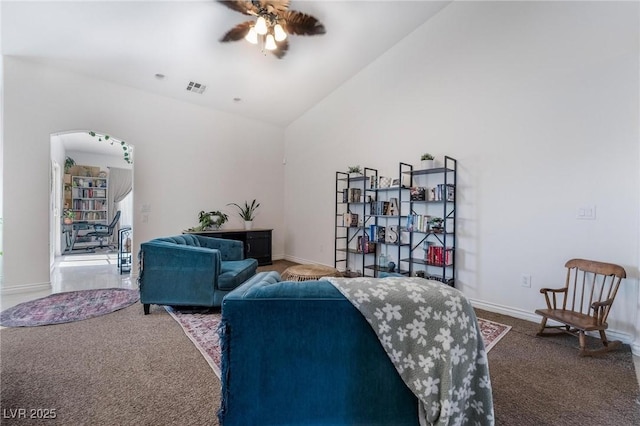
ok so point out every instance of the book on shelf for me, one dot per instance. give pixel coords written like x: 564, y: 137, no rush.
x: 364, y: 245
x: 377, y: 234
x: 417, y: 193
x: 350, y: 219
x: 354, y: 195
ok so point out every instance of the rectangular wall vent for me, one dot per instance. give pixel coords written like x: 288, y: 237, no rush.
x: 196, y: 87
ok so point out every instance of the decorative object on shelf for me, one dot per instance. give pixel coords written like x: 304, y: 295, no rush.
x: 382, y: 260
x: 394, y: 209
x: 68, y: 164
x: 391, y: 267
x: 373, y: 182
x: 385, y: 182
x: 426, y: 161
x: 354, y: 171
x: 210, y: 220
x: 436, y: 224
x: 391, y: 235
x: 274, y: 21
x: 128, y: 149
x: 247, y: 212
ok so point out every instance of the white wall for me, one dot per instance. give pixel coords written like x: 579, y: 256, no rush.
x: 538, y: 101
x: 187, y: 159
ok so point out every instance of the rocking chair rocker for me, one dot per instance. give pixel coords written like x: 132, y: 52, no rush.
x: 587, y: 297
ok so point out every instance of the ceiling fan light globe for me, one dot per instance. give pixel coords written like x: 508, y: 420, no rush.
x: 252, y: 36
x: 279, y: 33
x: 270, y: 43
x: 261, y: 26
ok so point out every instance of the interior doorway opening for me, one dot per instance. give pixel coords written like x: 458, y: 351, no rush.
x: 91, y: 198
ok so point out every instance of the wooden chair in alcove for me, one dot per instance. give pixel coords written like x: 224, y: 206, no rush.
x: 585, y: 303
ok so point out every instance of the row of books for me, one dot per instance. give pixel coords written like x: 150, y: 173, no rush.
x: 351, y: 195
x: 89, y: 193
x: 91, y: 216
x: 386, y: 208
x: 440, y: 192
x: 89, y: 205
x: 418, y: 222
x: 437, y: 255
x: 364, y: 245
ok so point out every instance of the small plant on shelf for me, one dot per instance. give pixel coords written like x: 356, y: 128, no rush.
x: 426, y: 156
x: 248, y: 211
x: 426, y: 161
x: 354, y: 171
x: 436, y: 224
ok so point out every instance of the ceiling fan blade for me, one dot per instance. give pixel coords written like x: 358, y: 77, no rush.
x: 276, y: 7
x: 238, y: 32
x: 244, y: 7
x: 283, y: 47
x: 301, y: 24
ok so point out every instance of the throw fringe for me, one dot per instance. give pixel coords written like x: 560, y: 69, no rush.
x: 224, y: 334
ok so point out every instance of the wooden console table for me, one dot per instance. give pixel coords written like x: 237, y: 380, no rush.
x: 257, y: 242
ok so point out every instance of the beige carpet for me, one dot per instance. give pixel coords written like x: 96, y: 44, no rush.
x: 126, y: 368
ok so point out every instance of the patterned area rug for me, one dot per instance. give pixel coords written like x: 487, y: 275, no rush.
x: 69, y: 306
x: 492, y: 332
x: 202, y: 330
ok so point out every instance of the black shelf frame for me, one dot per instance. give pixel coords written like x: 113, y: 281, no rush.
x: 445, y: 238
x: 348, y: 259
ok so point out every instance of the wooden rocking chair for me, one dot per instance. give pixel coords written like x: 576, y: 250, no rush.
x: 587, y: 297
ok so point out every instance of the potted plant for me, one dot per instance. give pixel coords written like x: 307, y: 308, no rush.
x: 354, y: 171
x: 426, y: 160
x: 211, y: 220
x: 247, y: 212
x: 68, y: 216
x: 68, y: 164
x: 436, y: 224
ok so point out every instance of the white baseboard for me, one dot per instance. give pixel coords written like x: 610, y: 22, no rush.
x: 533, y: 317
x: 25, y: 288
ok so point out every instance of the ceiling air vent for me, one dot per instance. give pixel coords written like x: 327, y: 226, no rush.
x: 196, y: 87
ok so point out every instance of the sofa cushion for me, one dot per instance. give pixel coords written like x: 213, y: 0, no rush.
x: 235, y: 272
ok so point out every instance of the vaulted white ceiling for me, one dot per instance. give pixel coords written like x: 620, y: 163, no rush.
x: 129, y: 42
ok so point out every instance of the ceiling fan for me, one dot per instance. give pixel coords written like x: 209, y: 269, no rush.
x: 274, y: 22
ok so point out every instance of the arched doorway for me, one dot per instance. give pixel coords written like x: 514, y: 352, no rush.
x: 92, y: 180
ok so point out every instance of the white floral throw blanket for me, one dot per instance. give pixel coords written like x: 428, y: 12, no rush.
x: 430, y: 332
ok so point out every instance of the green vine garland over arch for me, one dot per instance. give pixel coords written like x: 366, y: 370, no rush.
x: 125, y: 147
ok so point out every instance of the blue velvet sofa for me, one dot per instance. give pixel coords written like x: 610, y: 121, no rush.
x: 299, y: 353
x: 191, y: 270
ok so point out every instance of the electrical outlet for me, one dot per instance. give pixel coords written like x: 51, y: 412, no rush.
x: 525, y: 280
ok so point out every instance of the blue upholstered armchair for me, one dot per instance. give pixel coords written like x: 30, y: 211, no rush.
x: 191, y: 270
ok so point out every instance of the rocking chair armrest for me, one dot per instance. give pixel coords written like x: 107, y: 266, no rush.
x: 596, y: 305
x: 552, y: 303
x: 553, y: 290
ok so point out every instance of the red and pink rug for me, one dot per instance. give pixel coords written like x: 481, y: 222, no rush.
x: 69, y: 306
x: 202, y: 330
